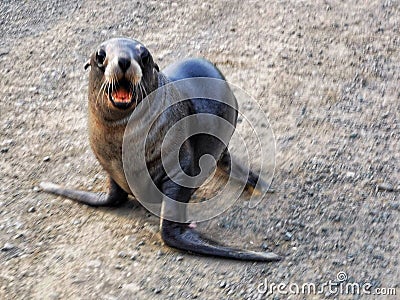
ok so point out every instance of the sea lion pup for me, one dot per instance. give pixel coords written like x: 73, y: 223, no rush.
x: 122, y: 74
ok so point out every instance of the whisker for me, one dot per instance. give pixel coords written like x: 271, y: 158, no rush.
x: 142, y: 93
x: 102, y: 90
x: 115, y: 83
x: 144, y: 88
x: 110, y: 88
x: 98, y: 94
x: 145, y: 92
x: 137, y: 89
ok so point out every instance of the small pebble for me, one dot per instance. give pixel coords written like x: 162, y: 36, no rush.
x: 378, y: 256
x: 264, y: 246
x: 157, y: 290
x: 8, y: 247
x: 353, y: 135
x: 46, y: 158
x: 141, y: 243
x: 55, y: 296
x: 94, y: 263
x: 31, y: 209
x: 179, y: 258
x: 18, y: 225
x: 385, y: 187
x: 222, y: 284
x: 18, y: 235
x: 4, y: 150
x: 4, y: 51
x: 288, y: 236
x: 122, y: 254
x: 284, y: 56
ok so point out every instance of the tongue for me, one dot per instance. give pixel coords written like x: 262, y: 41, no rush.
x: 121, y: 95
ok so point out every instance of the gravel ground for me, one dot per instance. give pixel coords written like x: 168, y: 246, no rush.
x: 327, y: 74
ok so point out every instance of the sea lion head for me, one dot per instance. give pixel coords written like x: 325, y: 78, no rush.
x: 122, y: 74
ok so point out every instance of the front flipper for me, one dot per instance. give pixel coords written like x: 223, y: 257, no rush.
x: 114, y: 197
x: 182, y: 237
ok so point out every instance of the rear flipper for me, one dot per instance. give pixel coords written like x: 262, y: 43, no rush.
x: 183, y: 237
x: 232, y: 168
x: 115, y: 196
x: 178, y: 233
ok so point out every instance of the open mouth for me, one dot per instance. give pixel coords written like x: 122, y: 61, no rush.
x: 122, y: 94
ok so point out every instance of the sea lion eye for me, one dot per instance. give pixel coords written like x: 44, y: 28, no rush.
x: 144, y: 54
x: 100, y: 57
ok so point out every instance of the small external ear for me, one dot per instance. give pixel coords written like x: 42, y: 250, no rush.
x: 156, y: 67
x: 87, y: 64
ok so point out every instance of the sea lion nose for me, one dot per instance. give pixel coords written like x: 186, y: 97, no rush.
x: 124, y: 63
